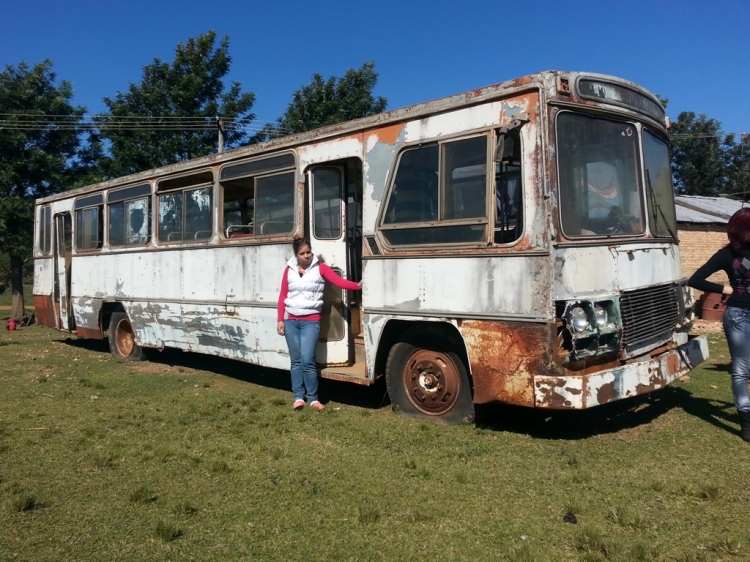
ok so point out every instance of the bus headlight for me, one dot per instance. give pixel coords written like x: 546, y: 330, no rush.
x: 601, y: 316
x: 579, y: 319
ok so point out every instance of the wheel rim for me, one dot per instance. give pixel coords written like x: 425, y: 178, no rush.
x: 432, y: 381
x: 124, y: 338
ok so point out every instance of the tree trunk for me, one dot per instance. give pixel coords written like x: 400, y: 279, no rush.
x: 16, y: 282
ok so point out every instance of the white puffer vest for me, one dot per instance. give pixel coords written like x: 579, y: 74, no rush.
x: 305, y: 294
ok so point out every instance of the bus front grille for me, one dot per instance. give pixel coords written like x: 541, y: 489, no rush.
x: 649, y: 315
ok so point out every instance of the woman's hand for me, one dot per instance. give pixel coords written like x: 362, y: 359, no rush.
x: 280, y: 328
x: 359, y: 285
x: 727, y: 290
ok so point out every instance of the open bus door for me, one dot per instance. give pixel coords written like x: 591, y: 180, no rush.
x: 329, y: 237
x: 63, y: 257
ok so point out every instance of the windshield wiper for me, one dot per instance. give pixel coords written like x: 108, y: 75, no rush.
x: 657, y: 207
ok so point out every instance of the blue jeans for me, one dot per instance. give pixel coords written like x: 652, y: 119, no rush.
x: 737, y: 330
x: 301, y: 338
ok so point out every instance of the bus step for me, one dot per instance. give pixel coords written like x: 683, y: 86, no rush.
x: 356, y: 373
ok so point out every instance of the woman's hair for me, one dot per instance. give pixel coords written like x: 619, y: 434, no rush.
x: 298, y: 243
x: 738, y: 229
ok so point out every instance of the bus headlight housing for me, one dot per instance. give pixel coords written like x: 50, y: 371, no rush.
x: 579, y: 320
x: 590, y: 328
x: 600, y: 313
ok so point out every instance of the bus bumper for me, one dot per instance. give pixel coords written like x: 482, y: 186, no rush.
x: 586, y: 391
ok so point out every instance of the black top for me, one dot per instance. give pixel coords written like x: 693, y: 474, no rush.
x: 737, y: 268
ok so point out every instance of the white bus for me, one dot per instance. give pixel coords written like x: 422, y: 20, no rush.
x: 517, y: 244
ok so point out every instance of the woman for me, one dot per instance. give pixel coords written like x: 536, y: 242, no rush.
x: 734, y: 259
x: 301, y: 298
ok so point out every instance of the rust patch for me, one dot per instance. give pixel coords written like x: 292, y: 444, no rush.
x: 551, y: 399
x: 45, y: 310
x: 607, y: 393
x: 388, y: 135
x: 504, y: 358
x: 93, y: 333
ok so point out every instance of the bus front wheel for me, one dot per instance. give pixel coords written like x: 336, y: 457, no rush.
x: 429, y: 384
x: 122, y: 342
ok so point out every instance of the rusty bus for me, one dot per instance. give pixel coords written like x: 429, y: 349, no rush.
x: 517, y: 244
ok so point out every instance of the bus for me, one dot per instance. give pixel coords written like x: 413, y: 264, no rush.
x: 517, y: 244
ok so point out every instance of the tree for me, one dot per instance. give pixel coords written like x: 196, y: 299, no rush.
x: 141, y: 126
x: 737, y: 158
x: 326, y: 102
x: 36, y: 159
x: 698, y: 159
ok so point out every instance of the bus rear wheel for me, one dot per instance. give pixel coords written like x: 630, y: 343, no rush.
x: 429, y: 384
x: 122, y: 342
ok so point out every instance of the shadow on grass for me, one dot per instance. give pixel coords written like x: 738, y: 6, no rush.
x: 373, y: 397
x: 609, y: 418
x: 543, y: 424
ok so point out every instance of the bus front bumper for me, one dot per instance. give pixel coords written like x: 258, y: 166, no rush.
x: 626, y: 381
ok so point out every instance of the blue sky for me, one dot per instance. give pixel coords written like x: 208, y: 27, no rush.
x: 697, y: 54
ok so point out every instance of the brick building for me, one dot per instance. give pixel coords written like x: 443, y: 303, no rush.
x: 701, y: 228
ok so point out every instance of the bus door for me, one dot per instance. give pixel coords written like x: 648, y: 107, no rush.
x: 63, y: 257
x: 329, y: 241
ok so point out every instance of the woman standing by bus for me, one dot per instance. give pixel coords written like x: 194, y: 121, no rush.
x: 301, y: 300
x: 734, y: 259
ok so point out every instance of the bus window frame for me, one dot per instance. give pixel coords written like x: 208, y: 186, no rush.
x: 158, y: 191
x: 86, y: 203
x: 254, y: 176
x: 44, y: 230
x: 149, y: 212
x: 487, y: 220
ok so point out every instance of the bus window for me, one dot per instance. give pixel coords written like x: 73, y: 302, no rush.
x: 45, y: 230
x: 439, y: 185
x: 129, y: 212
x: 598, y: 174
x: 508, y: 190
x: 327, y: 185
x: 88, y: 221
x: 186, y: 215
x: 256, y: 205
x: 239, y: 207
x: 274, y: 204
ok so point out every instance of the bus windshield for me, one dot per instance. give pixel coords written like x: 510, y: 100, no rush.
x: 598, y: 166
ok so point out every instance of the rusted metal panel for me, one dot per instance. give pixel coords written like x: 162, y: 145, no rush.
x: 586, y: 391
x: 504, y: 358
x: 44, y: 310
x: 87, y: 317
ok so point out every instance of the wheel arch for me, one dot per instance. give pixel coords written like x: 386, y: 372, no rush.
x: 421, y: 332
x: 108, y: 309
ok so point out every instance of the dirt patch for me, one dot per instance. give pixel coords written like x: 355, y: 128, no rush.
x: 706, y: 327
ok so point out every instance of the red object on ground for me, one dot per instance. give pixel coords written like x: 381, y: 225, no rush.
x: 712, y: 307
x: 11, y: 325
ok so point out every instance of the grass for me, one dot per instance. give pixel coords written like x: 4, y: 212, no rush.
x: 192, y: 457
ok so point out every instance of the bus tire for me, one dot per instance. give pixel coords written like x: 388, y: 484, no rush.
x: 122, y: 342
x: 429, y: 384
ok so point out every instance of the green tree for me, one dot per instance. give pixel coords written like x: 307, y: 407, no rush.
x: 737, y: 158
x: 326, y: 102
x: 39, y: 139
x: 698, y: 155
x: 141, y: 126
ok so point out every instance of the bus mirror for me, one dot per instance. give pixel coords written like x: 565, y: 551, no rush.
x: 505, y: 147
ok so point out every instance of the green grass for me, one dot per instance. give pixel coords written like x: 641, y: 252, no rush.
x: 189, y: 457
x: 6, y: 300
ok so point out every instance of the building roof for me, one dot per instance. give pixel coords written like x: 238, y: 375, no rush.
x: 705, y: 210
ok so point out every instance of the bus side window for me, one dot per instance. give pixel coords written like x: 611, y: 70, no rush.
x: 89, y: 222
x: 509, y: 191
x: 239, y: 208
